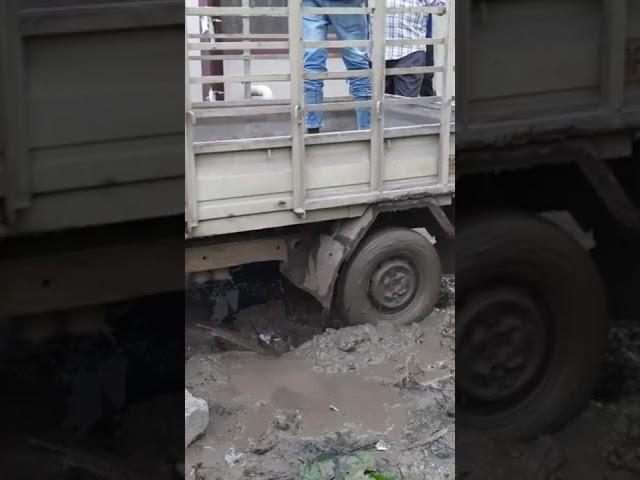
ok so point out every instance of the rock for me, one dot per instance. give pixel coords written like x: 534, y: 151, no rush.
x: 196, y: 417
x: 350, y: 341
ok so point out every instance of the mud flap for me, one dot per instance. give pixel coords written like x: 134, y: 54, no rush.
x: 314, y: 266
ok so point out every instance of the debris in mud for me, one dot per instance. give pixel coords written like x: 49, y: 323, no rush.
x: 621, y: 371
x: 624, y: 450
x: 353, y: 341
x: 289, y: 422
x: 358, y: 466
x: 382, y: 446
x: 447, y: 292
x: 196, y: 418
x: 275, y: 328
x: 235, y: 340
x: 233, y: 457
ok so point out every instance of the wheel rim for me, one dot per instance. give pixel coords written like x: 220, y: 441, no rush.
x: 393, y: 284
x: 503, y: 345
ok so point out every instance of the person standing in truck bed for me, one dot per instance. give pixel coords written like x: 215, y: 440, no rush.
x: 407, y: 26
x: 427, y: 90
x: 347, y: 27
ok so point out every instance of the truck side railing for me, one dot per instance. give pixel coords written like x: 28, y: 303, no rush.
x: 292, y: 46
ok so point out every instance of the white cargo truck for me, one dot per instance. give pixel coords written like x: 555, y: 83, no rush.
x: 351, y: 216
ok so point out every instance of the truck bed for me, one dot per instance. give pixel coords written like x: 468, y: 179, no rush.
x: 251, y: 166
x: 276, y: 125
x: 244, y: 168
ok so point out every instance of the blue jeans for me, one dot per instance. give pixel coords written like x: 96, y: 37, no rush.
x: 347, y: 27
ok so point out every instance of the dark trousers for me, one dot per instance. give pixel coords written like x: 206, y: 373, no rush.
x: 427, y: 83
x: 406, y: 85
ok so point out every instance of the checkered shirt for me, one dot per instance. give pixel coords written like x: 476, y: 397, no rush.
x: 407, y: 26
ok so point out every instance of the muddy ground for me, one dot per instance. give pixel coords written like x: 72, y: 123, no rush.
x: 285, y: 388
x: 315, y: 391
x: 603, y: 443
x: 94, y: 394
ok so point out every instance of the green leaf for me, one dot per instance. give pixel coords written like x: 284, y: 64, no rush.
x: 375, y: 475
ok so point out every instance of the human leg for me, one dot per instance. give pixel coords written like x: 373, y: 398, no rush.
x: 314, y: 27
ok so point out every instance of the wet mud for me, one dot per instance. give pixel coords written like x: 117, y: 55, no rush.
x: 603, y: 443
x: 322, y: 392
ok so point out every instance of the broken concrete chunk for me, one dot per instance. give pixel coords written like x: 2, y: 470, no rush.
x: 196, y: 417
x: 350, y: 341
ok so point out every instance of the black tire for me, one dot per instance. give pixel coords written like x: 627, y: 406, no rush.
x: 402, y: 257
x: 531, y: 326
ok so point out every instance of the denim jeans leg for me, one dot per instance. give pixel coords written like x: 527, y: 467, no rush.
x: 315, y: 60
x: 360, y: 87
x: 355, y: 27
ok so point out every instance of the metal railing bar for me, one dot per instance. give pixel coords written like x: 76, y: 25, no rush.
x: 205, y: 36
x: 416, y: 41
x: 230, y: 111
x: 430, y: 10
x: 258, y: 56
x: 336, y: 106
x: 274, y: 45
x: 285, y: 77
x: 237, y: 111
x: 336, y: 11
x: 337, y: 43
x: 377, y: 97
x: 221, y: 104
x: 369, y: 43
x: 340, y: 200
x: 444, y: 150
x: 282, y: 45
x: 284, y: 11
x: 410, y: 70
x: 246, y: 62
x: 238, y: 11
x: 336, y: 75
x: 317, y: 44
x: 413, y: 101
x: 190, y: 191
x: 284, y: 141
x: 370, y: 10
x: 258, y: 102
x: 276, y: 77
x: 268, y: 109
x: 298, y: 151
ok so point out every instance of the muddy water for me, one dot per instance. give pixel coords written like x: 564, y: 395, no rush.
x: 326, y: 402
x: 326, y: 389
x: 341, y: 389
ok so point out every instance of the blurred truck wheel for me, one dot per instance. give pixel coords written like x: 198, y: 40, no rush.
x: 393, y: 276
x: 531, y: 325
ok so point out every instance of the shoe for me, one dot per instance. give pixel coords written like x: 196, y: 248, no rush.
x: 313, y: 130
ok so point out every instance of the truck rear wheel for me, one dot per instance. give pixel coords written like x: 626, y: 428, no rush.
x: 531, y: 325
x: 393, y: 276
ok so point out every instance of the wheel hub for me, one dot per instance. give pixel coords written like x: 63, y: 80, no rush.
x: 503, y: 344
x: 393, y: 284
